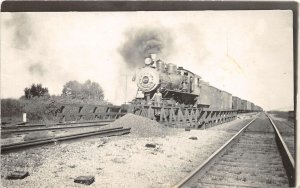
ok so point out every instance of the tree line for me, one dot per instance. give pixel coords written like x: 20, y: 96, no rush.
x: 40, y: 106
x: 72, y: 89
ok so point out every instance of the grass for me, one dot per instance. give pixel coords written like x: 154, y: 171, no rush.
x: 289, y: 115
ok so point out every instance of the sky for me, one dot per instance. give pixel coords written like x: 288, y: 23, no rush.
x: 246, y: 53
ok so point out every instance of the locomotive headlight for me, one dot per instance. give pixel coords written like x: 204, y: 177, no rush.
x: 147, y: 79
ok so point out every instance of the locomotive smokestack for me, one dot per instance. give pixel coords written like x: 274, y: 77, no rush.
x: 153, y: 56
x: 141, y: 43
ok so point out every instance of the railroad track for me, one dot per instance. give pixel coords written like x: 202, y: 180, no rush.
x: 248, y: 159
x: 103, y: 133
x: 29, y: 129
x: 30, y: 126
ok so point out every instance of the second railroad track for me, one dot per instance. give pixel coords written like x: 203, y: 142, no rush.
x: 103, y: 133
x: 254, y: 157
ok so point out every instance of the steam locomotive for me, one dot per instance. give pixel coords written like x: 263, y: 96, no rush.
x: 181, y: 87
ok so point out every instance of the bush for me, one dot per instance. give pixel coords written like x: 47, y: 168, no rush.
x: 70, y: 100
x: 11, y: 108
x: 40, y: 109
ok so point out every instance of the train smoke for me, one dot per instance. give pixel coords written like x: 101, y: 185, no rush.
x: 142, y: 42
x: 37, y: 68
x: 22, y: 30
x: 23, y: 35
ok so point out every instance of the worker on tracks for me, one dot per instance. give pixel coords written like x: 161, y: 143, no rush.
x: 157, y: 98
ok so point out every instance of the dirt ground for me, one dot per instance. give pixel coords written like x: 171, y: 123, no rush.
x: 122, y: 161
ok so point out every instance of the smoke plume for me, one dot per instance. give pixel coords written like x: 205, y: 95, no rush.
x: 22, y: 30
x: 37, y: 68
x: 142, y: 42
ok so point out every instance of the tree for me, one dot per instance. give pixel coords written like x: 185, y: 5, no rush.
x: 72, y: 88
x: 88, y: 90
x: 36, y: 90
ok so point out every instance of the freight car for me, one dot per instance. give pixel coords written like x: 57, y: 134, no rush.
x: 245, y: 106
x: 183, y: 92
x: 236, y: 103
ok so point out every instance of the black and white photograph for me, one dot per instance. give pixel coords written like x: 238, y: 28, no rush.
x: 176, y: 98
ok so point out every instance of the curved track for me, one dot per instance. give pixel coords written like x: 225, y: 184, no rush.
x: 254, y: 157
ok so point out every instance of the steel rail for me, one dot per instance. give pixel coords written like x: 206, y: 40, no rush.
x: 53, y: 138
x: 52, y: 124
x: 51, y: 128
x: 104, y: 132
x: 205, y: 165
x: 286, y: 156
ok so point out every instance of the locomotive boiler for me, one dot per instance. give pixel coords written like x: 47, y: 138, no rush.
x: 175, y: 84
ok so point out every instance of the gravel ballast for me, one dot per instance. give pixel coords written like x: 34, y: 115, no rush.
x: 143, y: 127
x: 122, y: 161
x: 254, y: 161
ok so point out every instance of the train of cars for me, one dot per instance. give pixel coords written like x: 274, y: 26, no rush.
x: 244, y: 105
x: 180, y: 87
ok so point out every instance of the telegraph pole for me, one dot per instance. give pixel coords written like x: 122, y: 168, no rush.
x: 126, y: 76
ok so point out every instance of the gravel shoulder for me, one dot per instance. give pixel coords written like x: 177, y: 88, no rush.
x: 119, y: 161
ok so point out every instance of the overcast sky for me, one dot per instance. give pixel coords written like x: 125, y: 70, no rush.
x: 246, y: 53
